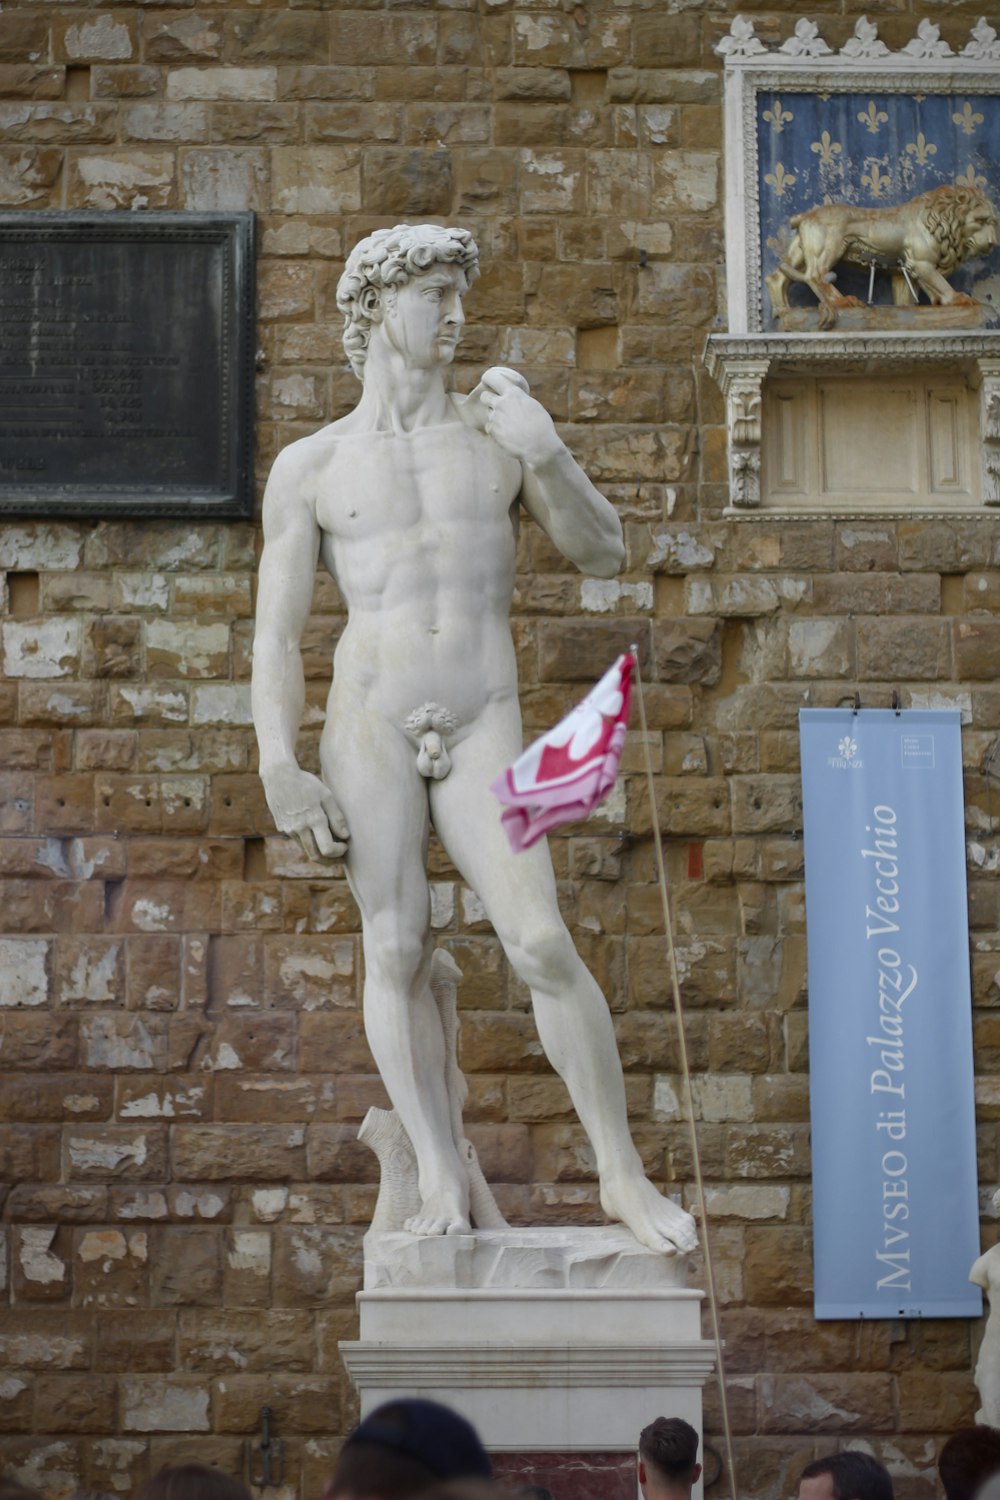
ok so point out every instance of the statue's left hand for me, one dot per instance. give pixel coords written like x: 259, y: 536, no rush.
x: 515, y: 420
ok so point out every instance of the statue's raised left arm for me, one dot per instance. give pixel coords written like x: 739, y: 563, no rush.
x: 581, y: 522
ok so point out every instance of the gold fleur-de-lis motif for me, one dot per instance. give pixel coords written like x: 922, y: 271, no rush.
x: 967, y: 119
x: 826, y: 149
x: 777, y: 115
x: 921, y: 149
x: 875, y: 179
x: 780, y: 180
x: 970, y: 178
x: 873, y: 117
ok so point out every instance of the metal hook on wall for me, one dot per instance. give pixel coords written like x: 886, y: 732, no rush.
x: 269, y: 1453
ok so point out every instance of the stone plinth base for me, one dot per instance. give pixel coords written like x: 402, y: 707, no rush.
x: 571, y: 1476
x: 550, y: 1340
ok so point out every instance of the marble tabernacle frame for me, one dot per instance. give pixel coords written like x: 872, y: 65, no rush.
x: 127, y: 364
x: 867, y: 127
x: 875, y: 161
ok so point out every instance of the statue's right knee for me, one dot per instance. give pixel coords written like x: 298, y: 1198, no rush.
x: 393, y: 957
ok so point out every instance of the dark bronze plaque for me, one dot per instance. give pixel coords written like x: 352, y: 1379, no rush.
x: 126, y: 364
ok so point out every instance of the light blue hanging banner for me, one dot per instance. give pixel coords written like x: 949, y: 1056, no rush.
x: 895, y: 1199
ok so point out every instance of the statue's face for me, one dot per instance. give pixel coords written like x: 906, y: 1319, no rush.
x: 981, y: 230
x: 423, y: 320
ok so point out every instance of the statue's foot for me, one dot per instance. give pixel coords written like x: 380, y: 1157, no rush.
x: 655, y: 1221
x: 444, y: 1211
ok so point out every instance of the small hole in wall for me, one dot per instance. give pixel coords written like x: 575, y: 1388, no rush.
x: 22, y: 595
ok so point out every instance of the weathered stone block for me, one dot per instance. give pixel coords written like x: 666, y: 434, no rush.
x: 315, y: 179
x: 901, y: 649
x: 45, y: 1339
x: 222, y: 83
x: 311, y: 973
x: 122, y: 180
x: 24, y: 979
x: 186, y: 1269
x: 212, y: 1153
x: 977, y: 648
x: 688, y: 650
x: 41, y: 648
x: 31, y: 81
x: 224, y: 180
x: 134, y: 1341
x: 115, y: 1151
x: 282, y: 36
x: 123, y: 81
x: 398, y: 181
x: 41, y: 1271
x: 178, y: 39
x: 111, y: 1268
x: 104, y: 38
x: 311, y: 1402
x: 250, y: 1342
x: 153, y: 1404
x: 23, y: 38
x: 315, y: 1266
x: 44, y: 124
x: 827, y: 1403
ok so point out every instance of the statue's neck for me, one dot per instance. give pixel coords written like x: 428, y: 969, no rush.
x: 397, y: 398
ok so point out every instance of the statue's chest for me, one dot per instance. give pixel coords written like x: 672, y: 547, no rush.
x: 440, y: 476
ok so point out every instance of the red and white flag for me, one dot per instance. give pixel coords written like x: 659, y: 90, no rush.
x: 565, y: 774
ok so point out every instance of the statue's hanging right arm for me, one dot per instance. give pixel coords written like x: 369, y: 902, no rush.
x: 300, y: 802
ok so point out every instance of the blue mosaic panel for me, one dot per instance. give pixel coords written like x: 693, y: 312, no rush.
x: 873, y: 150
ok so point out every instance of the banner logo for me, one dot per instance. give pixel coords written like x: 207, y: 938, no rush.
x: 846, y: 758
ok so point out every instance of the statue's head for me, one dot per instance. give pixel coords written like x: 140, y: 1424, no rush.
x: 387, y: 260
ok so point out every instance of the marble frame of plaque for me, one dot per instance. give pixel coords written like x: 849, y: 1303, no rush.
x: 127, y: 364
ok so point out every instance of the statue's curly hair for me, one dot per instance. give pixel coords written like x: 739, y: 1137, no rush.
x: 946, y: 212
x: 389, y: 258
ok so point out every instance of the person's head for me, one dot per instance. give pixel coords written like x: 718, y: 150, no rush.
x: 13, y: 1489
x: 968, y: 1459
x: 668, y: 1458
x: 192, y: 1482
x: 405, y: 1447
x: 845, y: 1476
x: 380, y: 268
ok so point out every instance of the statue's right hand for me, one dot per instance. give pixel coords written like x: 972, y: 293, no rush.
x: 304, y: 807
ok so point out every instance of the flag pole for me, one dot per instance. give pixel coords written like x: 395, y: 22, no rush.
x: 661, y: 870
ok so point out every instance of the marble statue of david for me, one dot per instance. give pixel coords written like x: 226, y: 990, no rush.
x: 411, y: 502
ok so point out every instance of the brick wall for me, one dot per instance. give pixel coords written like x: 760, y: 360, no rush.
x: 184, y: 1068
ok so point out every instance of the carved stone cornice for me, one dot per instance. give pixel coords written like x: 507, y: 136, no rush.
x: 812, y: 353
x: 805, y: 45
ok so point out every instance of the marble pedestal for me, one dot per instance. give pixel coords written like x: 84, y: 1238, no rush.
x: 558, y: 1341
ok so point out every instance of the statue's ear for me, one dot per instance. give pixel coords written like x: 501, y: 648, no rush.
x: 370, y: 303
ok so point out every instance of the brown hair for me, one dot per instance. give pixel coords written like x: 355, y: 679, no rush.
x: 192, y: 1482
x: 670, y: 1445
x: 968, y: 1459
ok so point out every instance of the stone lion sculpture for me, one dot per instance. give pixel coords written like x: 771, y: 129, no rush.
x: 920, y: 241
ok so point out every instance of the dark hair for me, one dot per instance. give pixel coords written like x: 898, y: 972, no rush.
x: 968, y: 1459
x: 533, y: 1492
x: 671, y: 1445
x: 407, y: 1446
x: 192, y: 1482
x: 370, y: 1469
x: 13, y: 1489
x: 854, y: 1475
